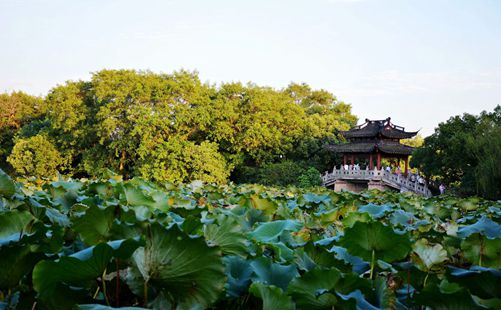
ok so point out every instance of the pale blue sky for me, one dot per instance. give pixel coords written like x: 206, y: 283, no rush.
x: 419, y: 61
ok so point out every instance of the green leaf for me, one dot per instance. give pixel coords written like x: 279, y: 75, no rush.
x: 432, y: 297
x: 480, y: 281
x: 364, y: 238
x: 374, y: 210
x: 272, y: 296
x: 238, y: 273
x: 7, y: 186
x: 267, y: 272
x: 63, y: 283
x: 311, y: 197
x: 13, y: 222
x: 95, y: 224
x: 53, y: 279
x: 429, y: 256
x: 312, y: 289
x: 102, y: 307
x: 226, y: 234
x: 185, y: 269
x: 270, y: 231
x: 16, y: 262
x: 484, y: 226
x: 482, y: 251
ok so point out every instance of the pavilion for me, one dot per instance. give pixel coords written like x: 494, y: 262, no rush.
x: 373, y: 141
x: 369, y: 143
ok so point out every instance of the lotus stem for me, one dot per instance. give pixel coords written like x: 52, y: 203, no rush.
x: 104, y: 287
x: 373, y: 263
x: 426, y: 279
x: 145, y: 293
x: 97, y: 292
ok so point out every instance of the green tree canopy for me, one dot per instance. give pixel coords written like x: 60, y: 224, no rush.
x: 463, y: 153
x: 173, y: 127
x: 35, y: 156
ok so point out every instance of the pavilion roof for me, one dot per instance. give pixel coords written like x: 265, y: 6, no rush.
x: 373, y: 128
x: 388, y: 147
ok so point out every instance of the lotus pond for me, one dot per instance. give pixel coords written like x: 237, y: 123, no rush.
x: 110, y: 243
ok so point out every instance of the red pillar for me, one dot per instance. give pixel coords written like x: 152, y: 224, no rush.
x: 378, y: 161
x: 352, y: 159
x: 370, y: 162
x: 406, y: 165
x: 344, y: 159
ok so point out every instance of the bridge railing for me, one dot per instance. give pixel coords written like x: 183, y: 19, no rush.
x: 397, y: 180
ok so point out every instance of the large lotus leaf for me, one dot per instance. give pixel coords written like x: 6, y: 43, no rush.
x: 484, y: 226
x: 374, y: 210
x: 63, y: 283
x: 267, y: 272
x: 313, y: 289
x: 282, y: 252
x: 13, y: 222
x: 315, y: 198
x: 480, y: 281
x: 186, y: 269
x: 321, y: 256
x: 16, y: 261
x: 94, y: 226
x: 238, y: 273
x: 272, y: 296
x: 53, y: 279
x: 359, y: 265
x: 359, y: 297
x: 403, y: 218
x: 303, y: 261
x: 356, y: 217
x: 428, y: 256
x: 102, y: 307
x: 329, y: 216
x: 270, y: 231
x: 226, y: 234
x: 436, y: 299
x: 264, y: 204
x: 364, y: 239
x: 138, y: 193
x: 482, y: 251
x: 7, y: 186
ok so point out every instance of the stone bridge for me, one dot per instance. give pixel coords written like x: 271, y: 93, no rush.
x: 357, y: 180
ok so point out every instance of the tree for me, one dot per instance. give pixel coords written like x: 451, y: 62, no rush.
x: 463, y: 153
x: 179, y: 161
x: 36, y: 156
x: 16, y: 110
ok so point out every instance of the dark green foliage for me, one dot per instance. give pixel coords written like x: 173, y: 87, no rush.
x: 464, y: 153
x: 107, y: 243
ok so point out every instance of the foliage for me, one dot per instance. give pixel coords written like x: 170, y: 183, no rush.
x: 94, y: 244
x: 311, y: 177
x: 463, y: 153
x: 16, y: 110
x: 36, y: 156
x: 173, y: 127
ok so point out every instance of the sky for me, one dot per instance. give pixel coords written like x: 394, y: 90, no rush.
x: 417, y: 61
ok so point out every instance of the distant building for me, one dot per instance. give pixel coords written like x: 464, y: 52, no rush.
x: 367, y: 145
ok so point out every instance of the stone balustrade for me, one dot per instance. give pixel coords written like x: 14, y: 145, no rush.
x: 400, y: 182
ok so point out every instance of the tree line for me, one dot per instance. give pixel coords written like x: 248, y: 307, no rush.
x: 172, y: 127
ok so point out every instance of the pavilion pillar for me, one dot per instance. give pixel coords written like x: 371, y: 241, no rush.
x: 406, y: 165
x: 352, y: 159
x: 370, y: 162
x: 378, y: 161
x: 344, y: 159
